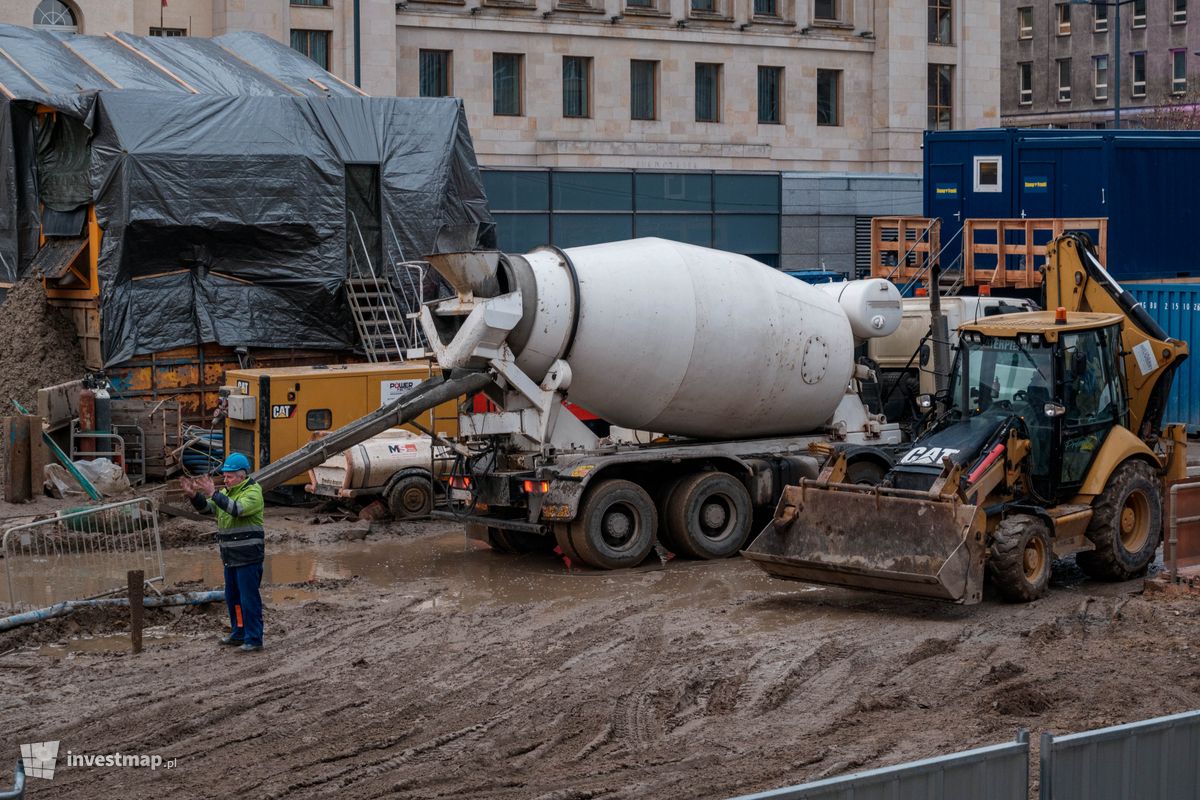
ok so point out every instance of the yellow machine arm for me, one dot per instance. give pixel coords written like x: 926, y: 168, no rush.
x: 1076, y: 280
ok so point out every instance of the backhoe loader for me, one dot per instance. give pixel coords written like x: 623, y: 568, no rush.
x: 1046, y: 444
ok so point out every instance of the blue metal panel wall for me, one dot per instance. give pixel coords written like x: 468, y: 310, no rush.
x: 999, y: 772
x: 1151, y: 760
x: 1176, y: 307
x: 1143, y: 181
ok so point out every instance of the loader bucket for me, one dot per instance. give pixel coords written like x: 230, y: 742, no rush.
x: 887, y: 540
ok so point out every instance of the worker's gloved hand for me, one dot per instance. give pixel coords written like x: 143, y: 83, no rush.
x: 205, y: 485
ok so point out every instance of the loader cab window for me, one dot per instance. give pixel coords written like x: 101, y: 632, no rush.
x: 998, y: 376
x: 1091, y: 388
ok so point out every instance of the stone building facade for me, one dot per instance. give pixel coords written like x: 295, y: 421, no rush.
x: 816, y: 94
x: 1060, y: 62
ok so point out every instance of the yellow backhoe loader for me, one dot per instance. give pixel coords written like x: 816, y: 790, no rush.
x: 1046, y: 444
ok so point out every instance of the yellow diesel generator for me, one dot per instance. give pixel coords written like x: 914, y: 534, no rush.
x: 273, y: 412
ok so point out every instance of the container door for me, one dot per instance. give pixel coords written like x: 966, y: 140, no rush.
x: 946, y: 196
x: 1037, y: 190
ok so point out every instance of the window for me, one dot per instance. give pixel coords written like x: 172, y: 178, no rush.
x: 1064, y: 80
x: 1178, y: 71
x: 1064, y: 18
x: 507, y: 79
x: 577, y: 86
x: 435, y: 73
x: 1138, y: 66
x: 55, y: 15
x: 1139, y: 13
x: 940, y: 17
x: 639, y: 4
x: 829, y: 88
x: 1100, y: 19
x: 308, y: 2
x: 766, y: 8
x: 941, y: 110
x: 825, y: 10
x: 770, y: 95
x: 1025, y: 85
x: 168, y: 32
x: 643, y: 90
x: 704, y: 6
x: 1178, y: 12
x: 1100, y: 67
x: 1025, y: 23
x: 987, y: 173
x: 314, y: 44
x: 319, y: 419
x: 708, y: 93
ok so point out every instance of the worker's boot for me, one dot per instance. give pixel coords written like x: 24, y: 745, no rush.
x: 232, y: 640
x: 251, y: 648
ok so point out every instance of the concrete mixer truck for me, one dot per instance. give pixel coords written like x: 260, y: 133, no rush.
x: 744, y: 377
x: 740, y: 369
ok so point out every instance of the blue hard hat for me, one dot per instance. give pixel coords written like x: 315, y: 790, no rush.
x: 234, y: 462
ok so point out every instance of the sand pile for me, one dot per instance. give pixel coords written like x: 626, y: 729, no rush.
x: 38, y: 346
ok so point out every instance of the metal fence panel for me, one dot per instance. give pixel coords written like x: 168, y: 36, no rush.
x: 1158, y: 759
x: 998, y: 772
x: 83, y: 552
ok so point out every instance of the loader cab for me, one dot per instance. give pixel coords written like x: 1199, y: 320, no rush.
x: 1063, y: 380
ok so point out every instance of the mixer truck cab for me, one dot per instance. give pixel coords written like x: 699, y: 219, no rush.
x: 747, y: 374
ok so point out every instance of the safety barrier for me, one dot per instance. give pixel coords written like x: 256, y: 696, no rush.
x: 1156, y: 759
x: 83, y: 552
x: 998, y: 772
x: 1151, y: 760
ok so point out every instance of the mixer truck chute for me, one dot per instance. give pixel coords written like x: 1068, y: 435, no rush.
x: 743, y: 368
x: 1049, y: 444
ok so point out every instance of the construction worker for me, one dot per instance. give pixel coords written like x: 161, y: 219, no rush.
x: 239, y: 511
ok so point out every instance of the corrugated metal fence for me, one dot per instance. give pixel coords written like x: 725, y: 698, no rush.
x: 998, y: 772
x: 1176, y: 307
x: 1158, y: 759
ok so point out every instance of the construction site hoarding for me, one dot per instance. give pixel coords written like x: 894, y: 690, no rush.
x: 231, y: 200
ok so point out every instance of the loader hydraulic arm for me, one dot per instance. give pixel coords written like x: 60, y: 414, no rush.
x: 1075, y: 280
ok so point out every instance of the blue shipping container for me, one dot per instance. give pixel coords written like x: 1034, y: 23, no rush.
x: 1143, y: 182
x: 1176, y: 307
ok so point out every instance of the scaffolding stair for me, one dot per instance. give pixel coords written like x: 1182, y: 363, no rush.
x: 378, y: 318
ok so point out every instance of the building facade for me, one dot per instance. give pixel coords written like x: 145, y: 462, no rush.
x: 719, y: 122
x: 1060, y: 62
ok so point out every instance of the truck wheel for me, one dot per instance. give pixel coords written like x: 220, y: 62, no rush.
x: 1020, y: 558
x: 562, y: 535
x: 1126, y: 524
x: 615, y: 526
x: 662, y: 498
x: 865, y: 471
x: 709, y: 515
x: 498, y: 541
x: 410, y: 498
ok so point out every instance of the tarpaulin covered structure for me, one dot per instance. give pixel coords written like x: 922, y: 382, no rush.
x: 232, y: 183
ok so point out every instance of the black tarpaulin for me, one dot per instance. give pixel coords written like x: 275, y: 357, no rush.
x: 233, y: 198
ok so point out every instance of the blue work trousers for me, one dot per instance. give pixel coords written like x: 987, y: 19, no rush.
x: 244, y: 601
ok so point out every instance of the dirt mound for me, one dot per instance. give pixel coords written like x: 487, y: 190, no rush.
x: 40, y: 347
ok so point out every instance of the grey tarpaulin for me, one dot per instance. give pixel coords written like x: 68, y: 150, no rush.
x: 218, y: 172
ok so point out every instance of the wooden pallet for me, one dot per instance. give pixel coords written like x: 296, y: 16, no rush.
x: 1022, y: 241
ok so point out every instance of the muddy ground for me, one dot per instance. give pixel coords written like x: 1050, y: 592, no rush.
x: 39, y: 346
x: 416, y: 664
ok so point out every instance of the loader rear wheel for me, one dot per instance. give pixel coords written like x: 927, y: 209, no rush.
x: 709, y: 515
x: 1126, y: 524
x: 615, y: 526
x: 1019, y: 564
x: 411, y: 498
x: 865, y: 472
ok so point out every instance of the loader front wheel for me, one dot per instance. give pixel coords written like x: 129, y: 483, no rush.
x: 709, y: 515
x: 1126, y: 524
x: 1019, y: 562
x: 616, y: 525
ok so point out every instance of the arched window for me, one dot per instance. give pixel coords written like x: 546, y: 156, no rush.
x: 55, y: 15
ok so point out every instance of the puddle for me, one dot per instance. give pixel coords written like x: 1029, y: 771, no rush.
x: 471, y: 572
x: 117, y: 643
